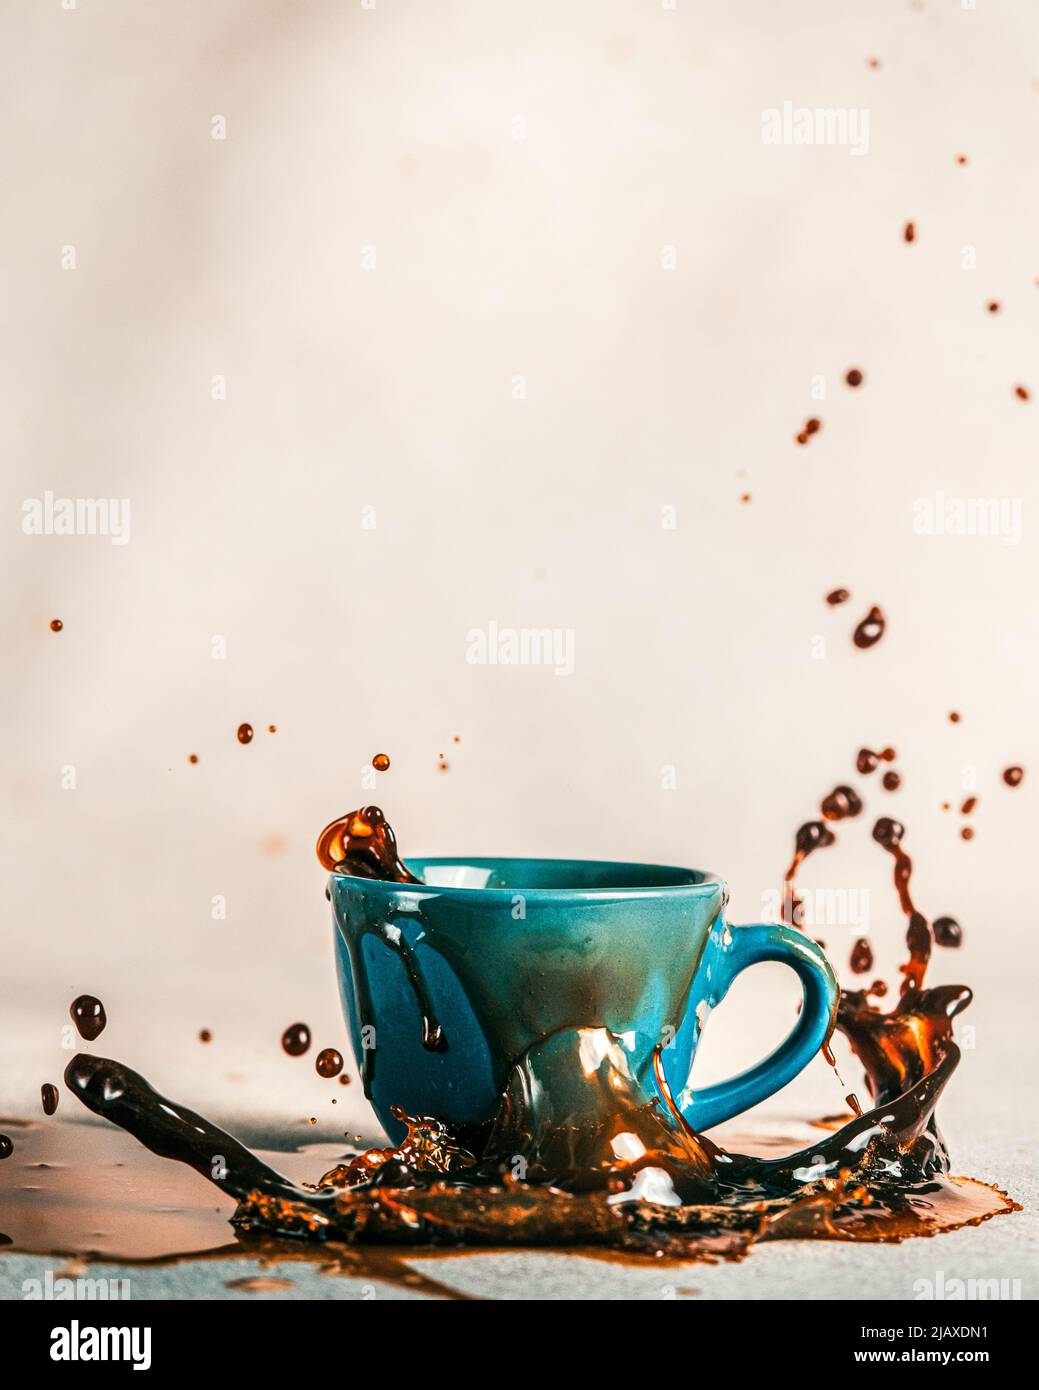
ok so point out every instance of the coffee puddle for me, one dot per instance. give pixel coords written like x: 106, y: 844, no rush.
x: 630, y: 1180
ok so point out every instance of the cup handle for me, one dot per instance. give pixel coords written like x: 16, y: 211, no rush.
x: 731, y: 950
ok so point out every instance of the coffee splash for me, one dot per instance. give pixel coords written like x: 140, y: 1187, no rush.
x: 580, y: 1156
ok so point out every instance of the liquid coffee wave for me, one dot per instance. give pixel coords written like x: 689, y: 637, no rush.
x: 579, y: 1156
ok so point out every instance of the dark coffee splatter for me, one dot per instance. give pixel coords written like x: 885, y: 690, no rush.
x: 328, y: 1063
x: 870, y: 630
x: 947, y: 931
x: 296, y: 1039
x: 88, y: 1014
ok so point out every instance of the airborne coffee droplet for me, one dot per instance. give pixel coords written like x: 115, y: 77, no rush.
x: 296, y: 1039
x: 841, y: 803
x: 49, y: 1098
x: 870, y: 630
x: 381, y: 762
x: 245, y: 733
x: 836, y: 596
x: 947, y: 931
x: 56, y: 625
x: 1013, y: 776
x: 328, y: 1063
x: 861, y: 956
x: 88, y: 1014
x: 867, y: 759
x: 6, y: 1147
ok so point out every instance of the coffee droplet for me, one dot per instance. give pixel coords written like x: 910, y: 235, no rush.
x: 1022, y: 393
x: 854, y: 377
x: 968, y: 805
x: 88, y: 1014
x: 954, y: 716
x: 272, y: 728
x: 888, y: 832
x: 867, y: 759
x: 909, y: 231
x: 966, y: 833
x: 870, y: 630
x: 891, y: 781
x: 328, y: 1063
x: 296, y: 1039
x: 837, y: 596
x: 205, y: 1035
x: 344, y: 1080
x: 56, y: 625
x: 6, y: 1147
x: 841, y: 803
x: 245, y: 733
x: 381, y: 762
x: 947, y: 931
x: 861, y: 956
x: 49, y: 1097
x: 1013, y: 776
x: 192, y: 757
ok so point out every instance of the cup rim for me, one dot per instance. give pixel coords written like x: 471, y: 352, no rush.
x: 706, y: 882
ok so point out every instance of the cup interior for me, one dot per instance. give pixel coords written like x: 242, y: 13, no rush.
x: 553, y: 875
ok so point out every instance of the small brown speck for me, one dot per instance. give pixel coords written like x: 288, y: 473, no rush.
x: 836, y: 596
x: 966, y: 833
x: 873, y: 63
x: 1013, y: 776
x: 909, y: 231
x: 1022, y: 393
x: 381, y: 762
x: 56, y: 624
x: 961, y: 159
x: 272, y: 728
x: 245, y: 733
x: 954, y: 716
x: 745, y: 497
x: 205, y: 1035
x: 853, y: 377
x: 993, y: 306
x: 192, y: 757
x: 968, y: 805
x: 891, y: 781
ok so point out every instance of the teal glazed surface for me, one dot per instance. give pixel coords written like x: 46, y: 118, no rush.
x: 506, y: 952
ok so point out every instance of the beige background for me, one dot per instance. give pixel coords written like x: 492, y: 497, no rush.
x: 392, y: 388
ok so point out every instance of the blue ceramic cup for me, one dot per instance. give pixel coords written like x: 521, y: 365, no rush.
x: 447, y: 983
